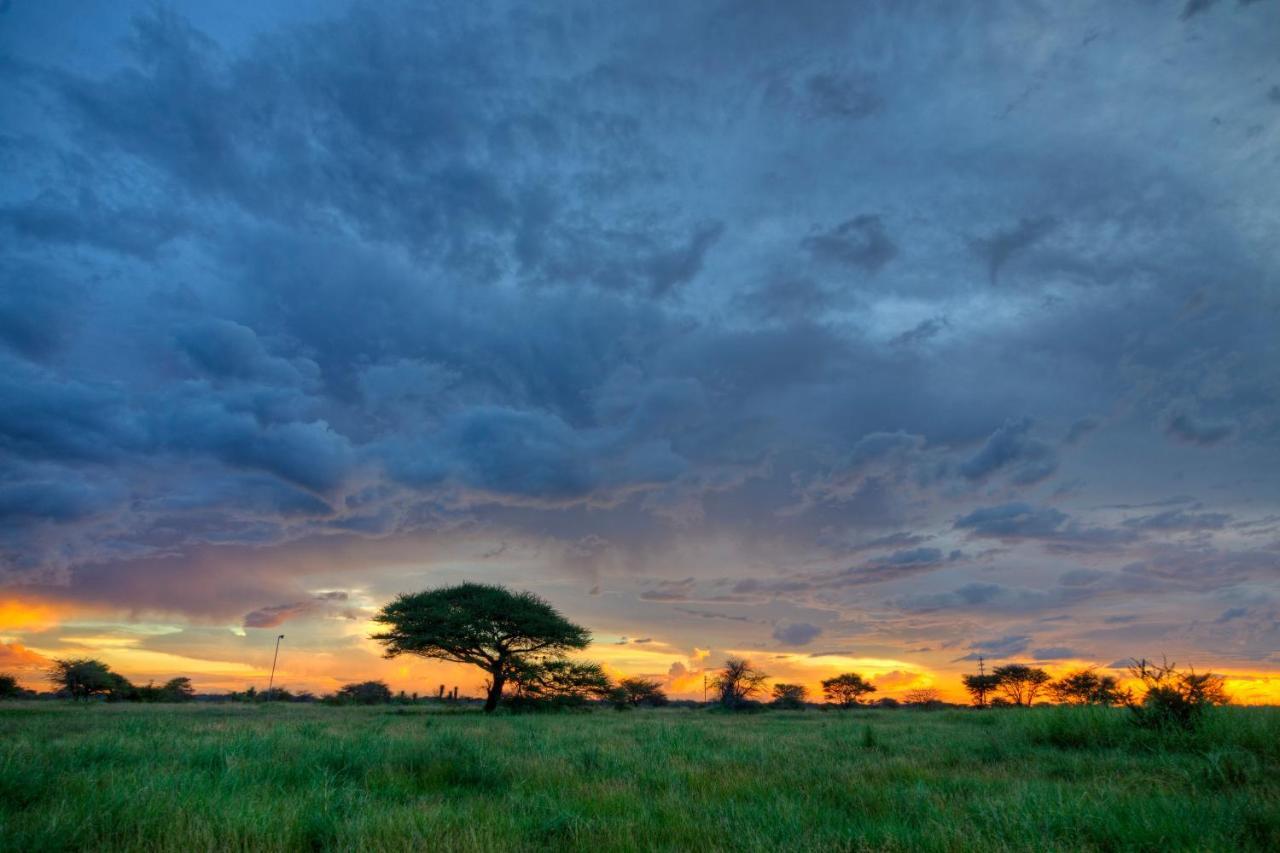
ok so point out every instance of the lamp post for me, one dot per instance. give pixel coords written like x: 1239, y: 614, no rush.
x: 272, y: 680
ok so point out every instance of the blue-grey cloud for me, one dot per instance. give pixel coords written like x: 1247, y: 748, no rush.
x: 796, y: 633
x: 641, y: 302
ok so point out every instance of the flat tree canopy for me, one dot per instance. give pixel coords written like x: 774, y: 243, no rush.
x: 484, y: 625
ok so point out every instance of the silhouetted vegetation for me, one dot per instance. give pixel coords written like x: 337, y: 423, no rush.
x: 557, y: 683
x: 923, y: 697
x: 789, y: 697
x: 1087, y: 687
x: 364, y: 693
x: 634, y: 692
x: 85, y: 678
x: 846, y: 690
x: 9, y: 688
x: 1174, y: 698
x: 736, y: 683
x: 490, y: 627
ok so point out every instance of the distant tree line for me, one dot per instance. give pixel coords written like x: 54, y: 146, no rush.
x: 521, y: 642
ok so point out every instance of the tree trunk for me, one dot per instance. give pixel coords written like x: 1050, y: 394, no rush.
x: 495, y: 691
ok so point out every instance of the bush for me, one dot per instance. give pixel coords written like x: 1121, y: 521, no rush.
x: 365, y: 693
x: 1175, y: 699
x: 9, y: 688
x: 632, y: 692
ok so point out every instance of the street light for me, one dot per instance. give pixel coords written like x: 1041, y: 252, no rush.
x: 272, y: 680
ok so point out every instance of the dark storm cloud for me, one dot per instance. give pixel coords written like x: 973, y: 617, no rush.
x: 796, y: 633
x: 858, y: 242
x: 658, y: 277
x: 1189, y: 429
x: 1003, y: 245
x: 322, y: 603
x: 1012, y: 446
x: 1178, y: 519
x: 1000, y: 647
x: 1016, y: 522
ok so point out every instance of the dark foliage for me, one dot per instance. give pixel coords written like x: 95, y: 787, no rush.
x: 488, y: 626
x: 1174, y: 698
x: 846, y: 690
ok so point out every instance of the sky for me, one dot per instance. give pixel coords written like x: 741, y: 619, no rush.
x: 850, y: 336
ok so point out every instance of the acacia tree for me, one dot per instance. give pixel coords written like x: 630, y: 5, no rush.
x: 789, y: 696
x: 1020, y: 683
x: 365, y: 693
x: 83, y: 678
x: 737, y: 682
x: 9, y: 687
x: 1087, y: 687
x: 640, y: 691
x: 847, y: 690
x: 980, y: 686
x: 484, y: 625
x: 922, y: 697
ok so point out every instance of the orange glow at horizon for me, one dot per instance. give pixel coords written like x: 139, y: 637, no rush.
x: 681, y: 670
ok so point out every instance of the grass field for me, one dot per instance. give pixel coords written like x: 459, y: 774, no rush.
x: 225, y: 777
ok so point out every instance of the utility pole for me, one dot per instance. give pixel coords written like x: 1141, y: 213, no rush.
x: 274, y: 658
x: 982, y: 682
x: 704, y: 688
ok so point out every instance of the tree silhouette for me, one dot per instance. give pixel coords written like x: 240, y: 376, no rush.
x: 365, y: 693
x: 9, y: 688
x: 737, y: 681
x: 789, y: 696
x: 84, y: 678
x: 846, y: 690
x: 1020, y: 683
x: 486, y: 626
x: 640, y: 691
x: 1087, y: 687
x: 922, y: 697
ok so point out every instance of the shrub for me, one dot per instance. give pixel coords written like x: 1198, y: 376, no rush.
x: 365, y: 693
x: 9, y: 688
x: 1174, y: 699
x: 558, y: 683
x: 632, y: 692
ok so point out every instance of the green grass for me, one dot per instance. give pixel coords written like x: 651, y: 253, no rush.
x: 281, y: 777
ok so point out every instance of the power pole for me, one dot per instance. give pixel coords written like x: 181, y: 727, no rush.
x: 704, y: 688
x: 274, y: 658
x: 982, y: 682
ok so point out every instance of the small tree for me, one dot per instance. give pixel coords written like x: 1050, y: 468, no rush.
x: 737, y: 681
x: 847, y: 690
x: 479, y: 624
x: 1087, y: 687
x: 922, y: 697
x: 559, y: 682
x: 365, y: 693
x: 84, y: 678
x: 640, y: 691
x: 1174, y: 698
x: 9, y: 688
x: 1020, y: 683
x: 789, y: 696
